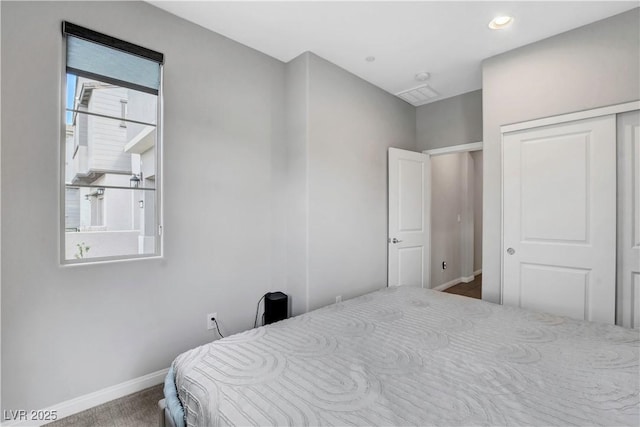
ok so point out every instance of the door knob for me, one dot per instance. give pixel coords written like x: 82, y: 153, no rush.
x: 511, y: 251
x: 396, y: 240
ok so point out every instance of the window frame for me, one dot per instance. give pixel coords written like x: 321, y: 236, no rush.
x: 159, y: 157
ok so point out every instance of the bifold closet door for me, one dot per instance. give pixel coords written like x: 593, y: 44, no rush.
x: 559, y: 219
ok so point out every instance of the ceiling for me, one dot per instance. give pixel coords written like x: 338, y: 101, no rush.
x: 447, y: 39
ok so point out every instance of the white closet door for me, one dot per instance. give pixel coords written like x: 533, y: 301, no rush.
x: 629, y: 219
x: 559, y: 219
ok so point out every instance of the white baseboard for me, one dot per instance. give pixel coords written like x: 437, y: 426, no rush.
x: 459, y: 280
x: 82, y: 403
x: 447, y: 285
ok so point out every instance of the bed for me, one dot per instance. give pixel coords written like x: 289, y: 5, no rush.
x: 411, y: 356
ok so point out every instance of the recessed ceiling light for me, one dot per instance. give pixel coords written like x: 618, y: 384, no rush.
x: 500, y: 22
x: 423, y: 76
x: 370, y: 58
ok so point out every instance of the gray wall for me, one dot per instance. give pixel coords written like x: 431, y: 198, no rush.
x: 452, y: 121
x: 589, y: 67
x: 339, y: 130
x: 477, y: 209
x: 448, y: 192
x: 446, y: 189
x: 351, y: 125
x: 297, y: 119
x: 68, y: 331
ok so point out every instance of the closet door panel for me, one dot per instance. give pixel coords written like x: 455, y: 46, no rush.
x: 629, y: 219
x: 559, y: 218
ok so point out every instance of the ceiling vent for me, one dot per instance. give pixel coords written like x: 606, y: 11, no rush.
x: 418, y: 95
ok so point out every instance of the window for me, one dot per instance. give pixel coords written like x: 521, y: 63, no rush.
x: 123, y: 113
x: 111, y: 148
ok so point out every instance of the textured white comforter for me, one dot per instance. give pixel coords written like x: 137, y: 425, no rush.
x: 410, y: 356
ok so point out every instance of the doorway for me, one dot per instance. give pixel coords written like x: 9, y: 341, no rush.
x: 456, y: 220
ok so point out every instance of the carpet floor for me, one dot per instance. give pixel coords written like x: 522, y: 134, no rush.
x: 135, y: 410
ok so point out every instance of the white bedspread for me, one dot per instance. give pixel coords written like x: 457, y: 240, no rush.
x: 409, y: 356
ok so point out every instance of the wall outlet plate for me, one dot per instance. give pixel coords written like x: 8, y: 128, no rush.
x: 210, y: 323
x: 444, y: 265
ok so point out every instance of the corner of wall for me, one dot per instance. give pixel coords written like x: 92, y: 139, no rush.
x: 296, y: 187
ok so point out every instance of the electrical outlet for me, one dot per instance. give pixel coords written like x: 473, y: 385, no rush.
x: 210, y: 323
x: 339, y: 298
x: 444, y: 265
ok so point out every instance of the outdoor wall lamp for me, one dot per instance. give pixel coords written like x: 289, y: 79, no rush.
x: 134, y: 181
x: 98, y: 193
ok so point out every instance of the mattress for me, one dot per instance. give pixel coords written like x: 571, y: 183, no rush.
x: 411, y: 356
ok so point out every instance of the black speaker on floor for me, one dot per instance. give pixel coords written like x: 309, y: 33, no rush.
x: 276, y: 307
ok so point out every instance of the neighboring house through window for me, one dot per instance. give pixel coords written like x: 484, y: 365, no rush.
x: 123, y: 113
x: 111, y: 148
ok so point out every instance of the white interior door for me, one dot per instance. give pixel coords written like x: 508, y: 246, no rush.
x: 408, y: 237
x: 559, y: 219
x: 629, y: 219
